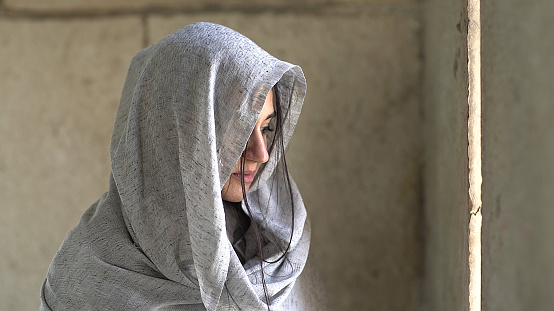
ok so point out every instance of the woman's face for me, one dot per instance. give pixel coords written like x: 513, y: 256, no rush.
x: 254, y: 155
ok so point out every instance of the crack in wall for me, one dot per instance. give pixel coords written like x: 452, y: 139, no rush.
x: 474, y: 152
x: 145, y: 32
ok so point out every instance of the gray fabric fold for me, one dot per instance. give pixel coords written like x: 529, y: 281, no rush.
x: 157, y: 240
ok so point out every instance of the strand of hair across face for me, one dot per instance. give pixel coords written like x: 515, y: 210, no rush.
x: 278, y: 138
x: 256, y: 229
x: 281, y: 149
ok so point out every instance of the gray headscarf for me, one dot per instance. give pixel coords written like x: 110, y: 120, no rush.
x: 157, y: 240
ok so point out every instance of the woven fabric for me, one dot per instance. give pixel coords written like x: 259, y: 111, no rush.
x: 156, y: 240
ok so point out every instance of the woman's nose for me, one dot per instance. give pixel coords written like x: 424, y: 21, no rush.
x: 257, y: 149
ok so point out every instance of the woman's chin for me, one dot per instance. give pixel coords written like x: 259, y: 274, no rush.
x: 233, y: 192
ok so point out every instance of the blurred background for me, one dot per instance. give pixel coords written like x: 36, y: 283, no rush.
x: 379, y: 154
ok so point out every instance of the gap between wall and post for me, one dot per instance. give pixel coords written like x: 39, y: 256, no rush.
x: 474, y: 152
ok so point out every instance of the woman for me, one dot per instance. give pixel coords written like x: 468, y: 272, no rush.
x: 200, y: 213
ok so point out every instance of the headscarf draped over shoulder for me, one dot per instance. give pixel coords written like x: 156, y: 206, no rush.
x: 157, y: 239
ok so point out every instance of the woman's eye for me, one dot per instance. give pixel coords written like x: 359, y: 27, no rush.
x: 268, y: 129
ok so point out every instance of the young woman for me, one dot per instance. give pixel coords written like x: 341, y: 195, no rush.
x: 201, y: 213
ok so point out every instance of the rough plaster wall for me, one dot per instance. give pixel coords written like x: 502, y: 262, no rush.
x: 187, y: 5
x: 60, y: 83
x: 355, y: 155
x: 446, y: 160
x: 518, y: 153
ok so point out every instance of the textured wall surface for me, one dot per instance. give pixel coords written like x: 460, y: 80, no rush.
x: 60, y: 83
x: 446, y: 159
x: 187, y: 5
x: 518, y: 153
x: 356, y: 154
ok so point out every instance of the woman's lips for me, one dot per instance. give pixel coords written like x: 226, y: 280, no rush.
x: 248, y: 176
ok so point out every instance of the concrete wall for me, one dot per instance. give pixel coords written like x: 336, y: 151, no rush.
x: 518, y: 153
x: 58, y: 95
x: 355, y: 155
x: 446, y: 157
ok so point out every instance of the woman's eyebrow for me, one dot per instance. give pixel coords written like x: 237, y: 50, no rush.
x: 271, y: 115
